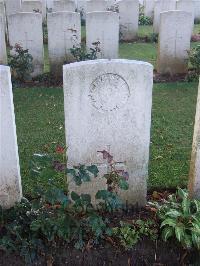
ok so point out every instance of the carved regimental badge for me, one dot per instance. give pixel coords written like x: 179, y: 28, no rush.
x: 109, y: 92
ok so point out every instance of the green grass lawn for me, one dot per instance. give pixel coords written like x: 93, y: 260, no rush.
x: 40, y: 126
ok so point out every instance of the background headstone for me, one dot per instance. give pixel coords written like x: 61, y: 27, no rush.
x: 149, y: 8
x: 3, y: 53
x: 26, y: 30
x: 161, y: 6
x: 31, y: 6
x: 64, y: 5
x: 10, y: 181
x: 64, y: 32
x: 194, y: 181
x: 174, y: 42
x: 96, y: 5
x: 81, y: 8
x: 188, y: 6
x: 128, y: 19
x: 108, y: 107
x: 103, y: 28
x: 12, y: 6
x: 196, y: 9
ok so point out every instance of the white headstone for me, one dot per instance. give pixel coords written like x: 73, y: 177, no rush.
x: 64, y: 5
x: 3, y: 53
x: 149, y: 8
x: 194, y: 181
x: 108, y: 107
x: 31, y: 6
x: 174, y: 42
x: 12, y: 6
x: 26, y: 29
x: 49, y: 5
x: 81, y: 8
x: 64, y: 32
x: 197, y: 9
x: 128, y: 19
x: 3, y: 14
x: 10, y: 181
x: 187, y: 6
x: 161, y: 6
x: 38, y: 6
x: 103, y: 28
x: 96, y: 5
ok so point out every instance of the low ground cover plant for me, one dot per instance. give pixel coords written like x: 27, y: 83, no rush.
x: 180, y: 219
x: 55, y: 217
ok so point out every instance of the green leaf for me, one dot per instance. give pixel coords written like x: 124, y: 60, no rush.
x: 86, y: 198
x: 71, y: 171
x: 123, y: 184
x: 173, y: 214
x: 102, y: 194
x: 167, y: 232
x: 93, y: 169
x: 169, y: 222
x: 179, y: 232
x: 74, y: 196
x: 182, y: 193
x: 35, y: 225
x: 186, y: 206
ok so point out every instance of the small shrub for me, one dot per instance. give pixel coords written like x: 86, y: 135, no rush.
x: 154, y: 37
x: 21, y: 63
x: 197, y: 21
x: 80, y: 53
x: 144, y: 20
x: 194, y: 58
x: 180, y: 219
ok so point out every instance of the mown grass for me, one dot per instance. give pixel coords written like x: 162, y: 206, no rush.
x: 40, y: 127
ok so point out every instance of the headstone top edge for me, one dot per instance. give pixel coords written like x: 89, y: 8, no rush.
x: 107, y: 61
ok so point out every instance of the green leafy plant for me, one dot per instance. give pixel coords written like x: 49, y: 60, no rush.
x: 194, y: 60
x: 21, y: 63
x: 180, y: 218
x: 127, y: 235
x: 80, y: 53
x: 144, y: 20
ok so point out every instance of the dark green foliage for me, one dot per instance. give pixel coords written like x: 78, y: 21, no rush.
x: 194, y: 59
x: 80, y: 53
x: 144, y: 20
x: 180, y: 217
x: 21, y: 63
x: 130, y: 233
x: 53, y: 217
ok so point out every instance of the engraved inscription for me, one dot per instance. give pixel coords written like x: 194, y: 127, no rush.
x: 109, y: 92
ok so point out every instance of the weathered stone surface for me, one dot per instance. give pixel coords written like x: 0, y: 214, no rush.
x: 96, y: 5
x: 12, y: 6
x: 25, y: 28
x: 194, y: 181
x: 149, y: 8
x: 3, y: 53
x: 103, y: 28
x: 10, y: 181
x: 196, y: 9
x: 174, y: 42
x: 161, y: 6
x: 64, y: 5
x: 187, y: 6
x: 64, y: 32
x: 128, y: 19
x: 31, y: 6
x: 81, y: 8
x: 108, y: 107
